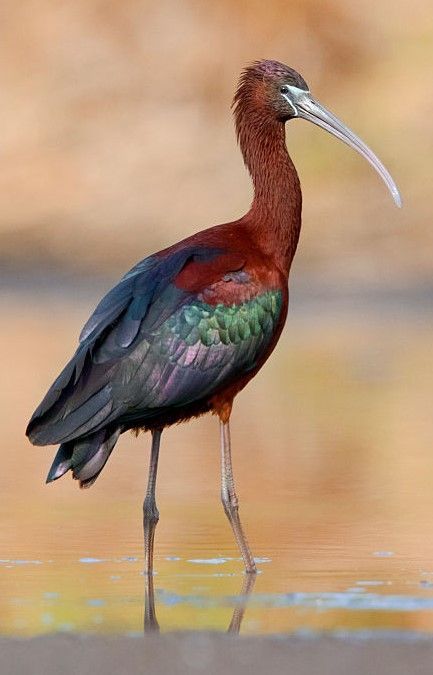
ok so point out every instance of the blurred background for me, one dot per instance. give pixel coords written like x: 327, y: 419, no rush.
x: 117, y: 136
x: 116, y: 140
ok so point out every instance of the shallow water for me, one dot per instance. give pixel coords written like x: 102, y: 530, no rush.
x: 334, y: 466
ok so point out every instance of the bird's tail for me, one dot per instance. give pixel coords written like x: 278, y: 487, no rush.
x: 85, y: 456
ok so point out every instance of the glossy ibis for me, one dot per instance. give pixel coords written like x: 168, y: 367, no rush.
x: 187, y: 328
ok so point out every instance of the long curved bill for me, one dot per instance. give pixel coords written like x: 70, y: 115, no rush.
x: 309, y: 109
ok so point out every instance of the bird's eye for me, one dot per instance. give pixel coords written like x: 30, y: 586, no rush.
x: 284, y: 89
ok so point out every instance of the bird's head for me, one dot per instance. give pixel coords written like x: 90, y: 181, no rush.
x: 279, y: 92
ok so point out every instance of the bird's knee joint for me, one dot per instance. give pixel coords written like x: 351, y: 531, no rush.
x: 230, y: 502
x: 150, y: 512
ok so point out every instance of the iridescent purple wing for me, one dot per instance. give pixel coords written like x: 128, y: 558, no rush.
x: 81, y: 399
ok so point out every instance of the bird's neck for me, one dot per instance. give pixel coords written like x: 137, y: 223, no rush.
x: 274, y: 220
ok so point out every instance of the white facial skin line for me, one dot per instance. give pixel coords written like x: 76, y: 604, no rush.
x: 296, y: 93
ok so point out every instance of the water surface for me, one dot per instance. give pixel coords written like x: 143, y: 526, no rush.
x: 334, y: 466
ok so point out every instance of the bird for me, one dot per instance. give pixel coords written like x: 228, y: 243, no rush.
x: 188, y: 327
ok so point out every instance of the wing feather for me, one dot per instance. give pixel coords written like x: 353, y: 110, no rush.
x: 82, y: 399
x: 152, y: 344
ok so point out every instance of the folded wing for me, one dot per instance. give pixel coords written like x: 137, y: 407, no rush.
x: 81, y: 399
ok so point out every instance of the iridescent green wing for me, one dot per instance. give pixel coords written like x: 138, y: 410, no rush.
x: 202, y: 347
x: 153, y: 342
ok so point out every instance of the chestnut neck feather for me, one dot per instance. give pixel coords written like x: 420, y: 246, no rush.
x: 274, y: 220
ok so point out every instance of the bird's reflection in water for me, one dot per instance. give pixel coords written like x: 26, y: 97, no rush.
x: 151, y: 624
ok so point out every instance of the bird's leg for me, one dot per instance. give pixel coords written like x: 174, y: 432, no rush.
x: 239, y: 610
x: 230, y: 500
x: 150, y: 512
